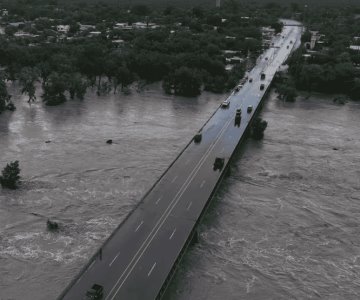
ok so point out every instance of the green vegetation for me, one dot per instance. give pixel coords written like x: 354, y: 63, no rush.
x: 257, y: 128
x: 183, y: 47
x: 331, y: 66
x: 5, y: 102
x: 286, y: 88
x: 10, y: 176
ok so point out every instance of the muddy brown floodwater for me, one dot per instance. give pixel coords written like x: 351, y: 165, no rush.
x: 285, y: 224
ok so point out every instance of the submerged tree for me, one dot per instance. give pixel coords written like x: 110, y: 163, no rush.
x: 183, y: 82
x: 287, y: 91
x: 258, y: 128
x: 5, y: 102
x: 10, y: 176
x: 77, y: 86
x: 54, y: 89
x: 27, y: 78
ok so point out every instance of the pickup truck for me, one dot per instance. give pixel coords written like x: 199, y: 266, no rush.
x: 95, y: 293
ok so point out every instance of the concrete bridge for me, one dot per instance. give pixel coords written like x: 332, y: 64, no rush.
x: 140, y: 257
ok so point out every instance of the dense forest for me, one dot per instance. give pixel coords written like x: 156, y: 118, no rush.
x: 332, y: 66
x: 185, y: 49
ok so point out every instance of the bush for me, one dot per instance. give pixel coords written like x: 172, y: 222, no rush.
x: 183, y: 82
x: 10, y: 176
x: 258, y: 128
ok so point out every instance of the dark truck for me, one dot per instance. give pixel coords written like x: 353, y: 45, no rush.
x: 262, y: 76
x: 262, y: 87
x: 218, y: 164
x: 238, y: 117
x: 95, y: 293
x: 197, y: 138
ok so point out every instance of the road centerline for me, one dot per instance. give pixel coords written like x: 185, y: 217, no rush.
x: 114, y: 259
x: 137, y: 228
x: 172, y: 234
x: 152, y: 269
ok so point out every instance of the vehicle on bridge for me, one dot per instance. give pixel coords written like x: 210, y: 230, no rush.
x: 238, y: 88
x: 250, y: 80
x: 95, y: 293
x: 262, y: 87
x: 225, y: 103
x: 262, y: 76
x: 238, y: 117
x: 218, y: 164
x: 198, y: 138
x: 249, y: 109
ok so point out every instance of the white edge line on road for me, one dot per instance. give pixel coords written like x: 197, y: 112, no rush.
x: 152, y: 269
x: 92, y: 264
x: 114, y: 259
x: 137, y: 228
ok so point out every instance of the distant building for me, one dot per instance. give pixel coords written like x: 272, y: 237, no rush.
x: 122, y: 26
x: 4, y: 12
x: 21, y: 34
x: 139, y: 25
x: 315, y: 39
x: 63, y: 28
x: 17, y: 24
x: 118, y: 43
x: 355, y: 47
x: 142, y: 25
x: 84, y: 27
x: 231, y: 52
x: 94, y: 33
x: 234, y: 60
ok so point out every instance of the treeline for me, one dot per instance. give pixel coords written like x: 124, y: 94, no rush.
x: 151, y: 56
x: 330, y: 74
x: 186, y: 52
x: 332, y: 67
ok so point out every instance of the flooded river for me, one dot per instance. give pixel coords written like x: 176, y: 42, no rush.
x: 285, y: 224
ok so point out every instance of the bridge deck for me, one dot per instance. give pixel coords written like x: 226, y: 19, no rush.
x: 136, y: 260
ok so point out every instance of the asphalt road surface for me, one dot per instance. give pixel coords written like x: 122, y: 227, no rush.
x: 135, y: 262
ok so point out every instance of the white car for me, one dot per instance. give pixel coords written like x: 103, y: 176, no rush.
x: 225, y: 103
